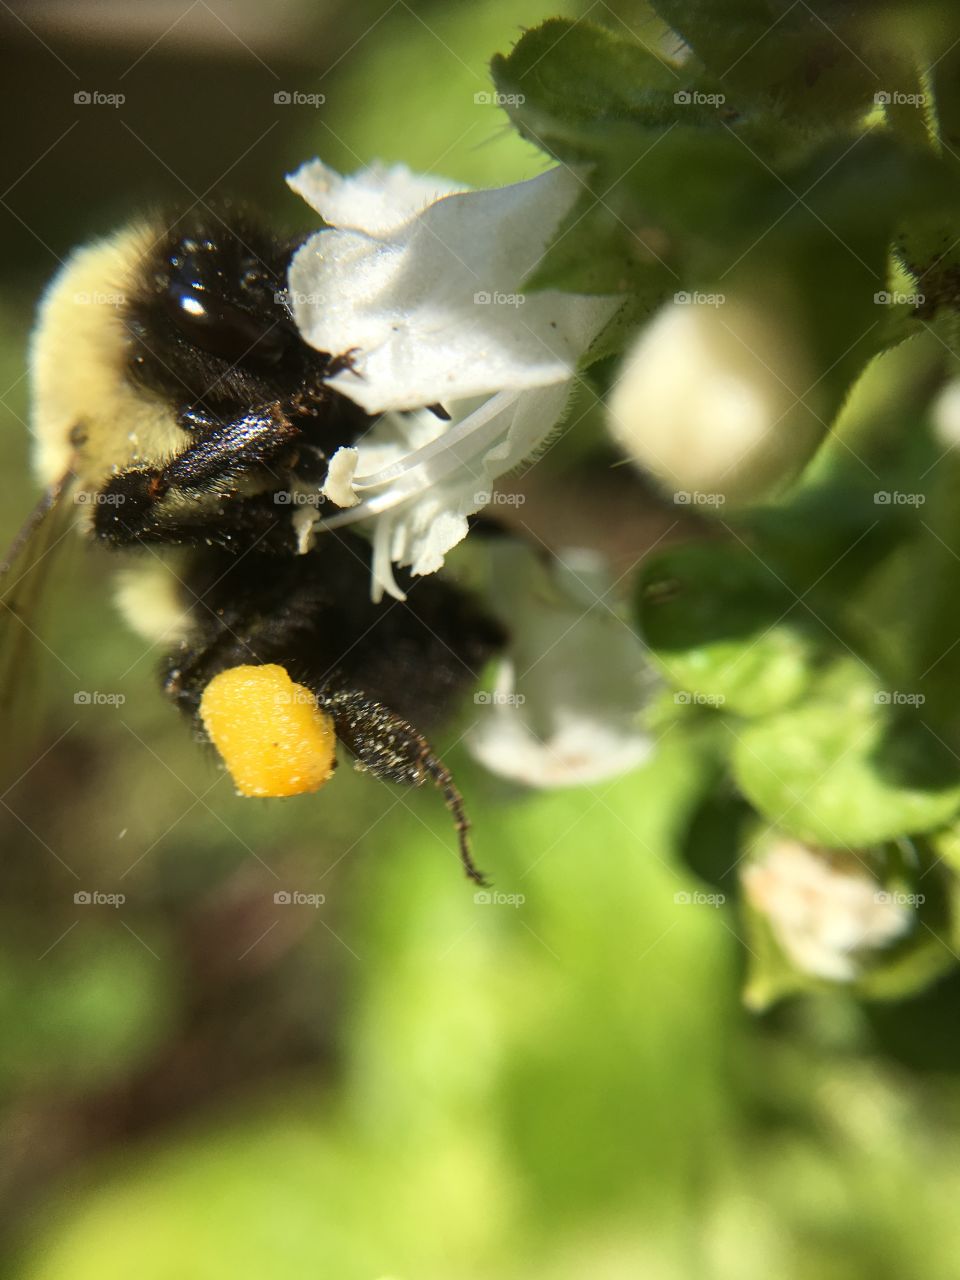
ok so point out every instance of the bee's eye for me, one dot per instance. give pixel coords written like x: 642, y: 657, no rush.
x: 223, y: 330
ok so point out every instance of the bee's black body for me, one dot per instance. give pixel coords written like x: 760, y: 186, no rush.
x: 210, y: 332
x: 206, y: 333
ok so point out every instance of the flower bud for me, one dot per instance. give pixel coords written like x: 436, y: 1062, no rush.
x: 712, y: 400
x: 946, y: 415
x: 824, y: 909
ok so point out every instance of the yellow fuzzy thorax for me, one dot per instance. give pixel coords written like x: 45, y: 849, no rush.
x: 87, y: 414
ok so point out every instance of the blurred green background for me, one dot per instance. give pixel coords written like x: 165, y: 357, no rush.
x: 201, y: 1082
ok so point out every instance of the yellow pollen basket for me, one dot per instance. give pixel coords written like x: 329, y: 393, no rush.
x: 272, y: 736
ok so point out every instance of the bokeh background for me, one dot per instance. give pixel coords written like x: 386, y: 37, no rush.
x: 201, y: 1082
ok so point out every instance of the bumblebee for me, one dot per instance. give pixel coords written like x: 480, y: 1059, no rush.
x: 176, y: 404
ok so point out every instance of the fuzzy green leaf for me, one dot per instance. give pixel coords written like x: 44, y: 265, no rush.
x: 848, y: 768
x: 725, y: 630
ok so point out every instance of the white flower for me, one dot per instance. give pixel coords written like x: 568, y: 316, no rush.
x: 716, y: 400
x: 421, y: 283
x: 565, y: 705
x: 946, y: 414
x: 827, y: 914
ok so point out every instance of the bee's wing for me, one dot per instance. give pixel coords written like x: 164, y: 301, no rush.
x: 23, y: 572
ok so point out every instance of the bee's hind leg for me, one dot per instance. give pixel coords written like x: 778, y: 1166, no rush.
x: 391, y: 749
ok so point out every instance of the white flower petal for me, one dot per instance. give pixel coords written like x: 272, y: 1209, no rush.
x: 376, y: 199
x: 566, y: 704
x: 383, y: 579
x: 432, y: 306
x: 579, y: 751
x: 827, y: 913
x: 429, y: 492
x: 338, y: 486
x: 946, y: 415
x: 304, y: 526
x: 422, y: 292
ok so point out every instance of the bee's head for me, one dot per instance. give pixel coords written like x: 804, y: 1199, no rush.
x: 212, y: 326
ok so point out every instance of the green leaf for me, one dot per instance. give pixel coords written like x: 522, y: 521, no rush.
x: 685, y: 188
x: 725, y: 630
x: 843, y: 771
x: 947, y: 844
x: 568, y: 83
x: 819, y: 60
x: 620, y: 259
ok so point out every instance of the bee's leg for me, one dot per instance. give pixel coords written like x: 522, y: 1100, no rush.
x: 184, y: 498
x: 391, y: 749
x: 232, y: 523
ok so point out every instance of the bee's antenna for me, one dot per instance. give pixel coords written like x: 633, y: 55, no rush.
x: 441, y: 775
x: 45, y: 504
